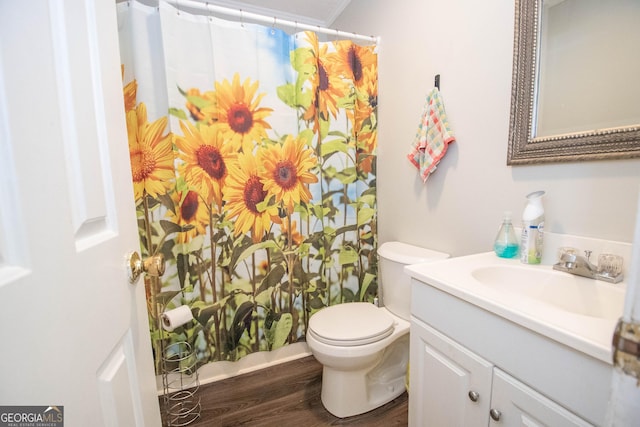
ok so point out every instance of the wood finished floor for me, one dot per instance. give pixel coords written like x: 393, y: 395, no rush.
x: 284, y: 395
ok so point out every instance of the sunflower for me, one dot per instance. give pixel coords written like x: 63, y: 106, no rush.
x: 367, y: 99
x: 130, y: 90
x: 327, y: 85
x: 353, y: 60
x: 366, y: 144
x: 193, y: 211
x: 296, y: 237
x: 237, y: 114
x: 287, y: 171
x: 196, y: 102
x: 151, y: 154
x: 205, y: 158
x: 244, y: 193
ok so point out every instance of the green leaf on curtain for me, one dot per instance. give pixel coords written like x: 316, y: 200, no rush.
x: 272, y: 278
x: 282, y: 330
x: 319, y: 211
x: 193, y: 245
x: 365, y: 215
x: 241, y: 321
x: 171, y: 227
x: 202, y: 312
x: 235, y: 258
x: 304, y: 98
x: 338, y: 133
x: 163, y: 298
x: 366, y: 281
x: 329, y: 147
x: 316, y: 303
x: 198, y: 101
x: 329, y: 171
x: 367, y: 199
x: 287, y: 94
x: 371, y: 191
x: 307, y: 135
x: 166, y: 200
x: 302, y: 60
x: 346, y: 103
x: 348, y: 295
x: 177, y: 112
x: 347, y: 255
x: 329, y: 232
x: 277, y: 328
x: 263, y: 299
x: 324, y: 127
x: 241, y: 284
x: 347, y: 175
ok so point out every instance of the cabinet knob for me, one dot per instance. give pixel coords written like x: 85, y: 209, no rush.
x: 495, y: 414
x: 474, y: 396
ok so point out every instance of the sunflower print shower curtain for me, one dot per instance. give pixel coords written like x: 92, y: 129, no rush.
x: 253, y: 157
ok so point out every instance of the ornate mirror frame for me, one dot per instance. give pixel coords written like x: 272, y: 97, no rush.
x: 602, y: 144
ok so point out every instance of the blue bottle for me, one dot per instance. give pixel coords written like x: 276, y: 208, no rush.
x: 506, y: 243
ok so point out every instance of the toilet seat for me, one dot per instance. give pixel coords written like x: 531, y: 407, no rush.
x: 351, y: 324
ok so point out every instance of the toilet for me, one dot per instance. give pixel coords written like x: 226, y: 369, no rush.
x: 364, y: 349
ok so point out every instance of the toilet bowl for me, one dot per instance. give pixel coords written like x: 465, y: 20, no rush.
x: 364, y: 349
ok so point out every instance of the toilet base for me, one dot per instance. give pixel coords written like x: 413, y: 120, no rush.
x: 349, y: 393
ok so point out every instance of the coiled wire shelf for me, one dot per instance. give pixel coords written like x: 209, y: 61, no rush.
x: 180, y: 383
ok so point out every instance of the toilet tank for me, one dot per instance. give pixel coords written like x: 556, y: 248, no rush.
x: 394, y: 286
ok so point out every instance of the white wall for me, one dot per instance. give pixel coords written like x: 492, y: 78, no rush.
x: 469, y: 43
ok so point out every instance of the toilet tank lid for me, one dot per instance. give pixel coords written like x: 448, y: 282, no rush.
x: 405, y: 253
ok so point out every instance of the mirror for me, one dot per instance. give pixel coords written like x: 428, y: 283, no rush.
x: 570, y: 100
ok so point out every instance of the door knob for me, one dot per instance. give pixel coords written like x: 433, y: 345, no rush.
x: 153, y: 266
x: 474, y: 396
x: 495, y: 414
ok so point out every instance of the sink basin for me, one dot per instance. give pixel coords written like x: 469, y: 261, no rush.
x: 565, y: 291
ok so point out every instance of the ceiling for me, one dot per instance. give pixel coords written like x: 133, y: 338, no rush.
x: 312, y: 12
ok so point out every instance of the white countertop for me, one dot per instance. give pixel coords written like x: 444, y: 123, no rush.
x: 587, y: 334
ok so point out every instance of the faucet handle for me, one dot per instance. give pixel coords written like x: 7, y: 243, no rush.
x: 609, y: 265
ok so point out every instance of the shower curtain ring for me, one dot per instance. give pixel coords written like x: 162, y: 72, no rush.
x: 209, y: 10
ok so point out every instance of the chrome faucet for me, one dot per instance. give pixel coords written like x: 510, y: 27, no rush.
x: 570, y: 262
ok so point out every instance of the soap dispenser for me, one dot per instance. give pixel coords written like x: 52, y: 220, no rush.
x: 506, y: 243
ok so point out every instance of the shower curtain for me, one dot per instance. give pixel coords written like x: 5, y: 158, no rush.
x: 253, y: 157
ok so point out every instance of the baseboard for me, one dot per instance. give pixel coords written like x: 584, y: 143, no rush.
x: 216, y: 371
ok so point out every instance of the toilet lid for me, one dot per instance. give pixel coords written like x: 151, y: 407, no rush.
x: 351, y: 324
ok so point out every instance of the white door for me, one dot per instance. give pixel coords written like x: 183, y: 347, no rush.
x: 514, y: 405
x: 450, y: 386
x: 73, y: 331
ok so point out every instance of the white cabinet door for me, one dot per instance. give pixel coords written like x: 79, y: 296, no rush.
x: 450, y: 386
x: 519, y: 405
x: 73, y: 331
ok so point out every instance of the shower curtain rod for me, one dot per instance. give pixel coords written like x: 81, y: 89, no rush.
x: 239, y: 13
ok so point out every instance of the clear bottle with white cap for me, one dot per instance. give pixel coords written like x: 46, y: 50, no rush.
x: 532, y: 229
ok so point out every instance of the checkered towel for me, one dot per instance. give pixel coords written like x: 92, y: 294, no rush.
x: 433, y: 136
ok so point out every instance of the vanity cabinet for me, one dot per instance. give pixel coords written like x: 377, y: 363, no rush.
x: 453, y: 386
